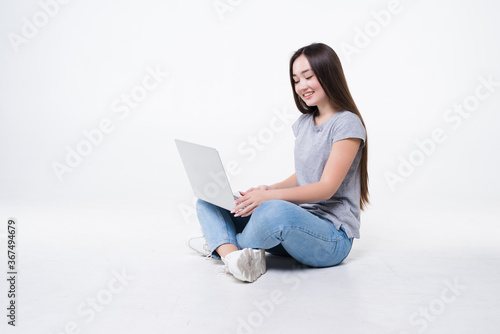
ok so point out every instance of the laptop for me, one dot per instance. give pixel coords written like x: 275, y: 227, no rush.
x: 206, y: 174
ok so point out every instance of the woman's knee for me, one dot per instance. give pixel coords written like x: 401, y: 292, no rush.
x: 203, y: 206
x: 201, y: 203
x: 275, y: 207
x: 271, y: 216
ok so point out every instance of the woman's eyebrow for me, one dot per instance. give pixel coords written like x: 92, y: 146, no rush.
x: 304, y: 71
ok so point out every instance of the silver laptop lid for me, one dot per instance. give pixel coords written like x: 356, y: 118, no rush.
x: 206, y: 173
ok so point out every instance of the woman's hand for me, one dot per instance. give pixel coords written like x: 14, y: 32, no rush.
x: 250, y: 200
x: 261, y: 187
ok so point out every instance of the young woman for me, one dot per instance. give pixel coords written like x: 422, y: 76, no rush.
x: 313, y: 215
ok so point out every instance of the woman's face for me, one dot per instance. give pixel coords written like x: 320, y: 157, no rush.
x: 307, y: 85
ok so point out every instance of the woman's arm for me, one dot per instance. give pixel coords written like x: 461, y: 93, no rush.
x: 340, y: 160
x: 290, y: 182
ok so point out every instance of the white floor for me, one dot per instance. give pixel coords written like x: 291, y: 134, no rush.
x: 123, y: 270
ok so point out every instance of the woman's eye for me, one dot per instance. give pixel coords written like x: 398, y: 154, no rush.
x: 295, y: 82
x: 309, y: 77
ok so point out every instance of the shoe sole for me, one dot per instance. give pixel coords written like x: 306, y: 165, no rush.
x: 251, y: 264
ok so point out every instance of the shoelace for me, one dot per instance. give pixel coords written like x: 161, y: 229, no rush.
x: 222, y: 269
x: 207, y: 249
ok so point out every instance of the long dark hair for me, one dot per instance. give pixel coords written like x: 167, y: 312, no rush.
x: 327, y: 67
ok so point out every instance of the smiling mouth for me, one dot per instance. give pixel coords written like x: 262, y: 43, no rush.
x: 306, y: 95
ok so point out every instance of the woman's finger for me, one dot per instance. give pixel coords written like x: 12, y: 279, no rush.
x: 249, y: 209
x: 245, y: 210
x: 249, y: 190
x: 251, y: 212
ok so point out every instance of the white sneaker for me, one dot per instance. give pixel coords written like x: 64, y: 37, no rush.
x: 198, y: 243
x: 246, y: 265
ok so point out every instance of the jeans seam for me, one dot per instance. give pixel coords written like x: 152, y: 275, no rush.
x: 305, y: 231
x: 335, y: 242
x: 228, y: 237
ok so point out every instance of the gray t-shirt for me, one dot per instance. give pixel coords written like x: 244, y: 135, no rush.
x: 313, y: 145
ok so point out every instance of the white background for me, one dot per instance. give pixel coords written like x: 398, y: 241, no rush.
x: 227, y: 76
x: 225, y: 79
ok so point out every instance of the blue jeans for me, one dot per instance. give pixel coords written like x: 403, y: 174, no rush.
x: 279, y: 227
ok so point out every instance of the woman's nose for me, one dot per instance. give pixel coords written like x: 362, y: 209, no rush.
x: 301, y: 86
